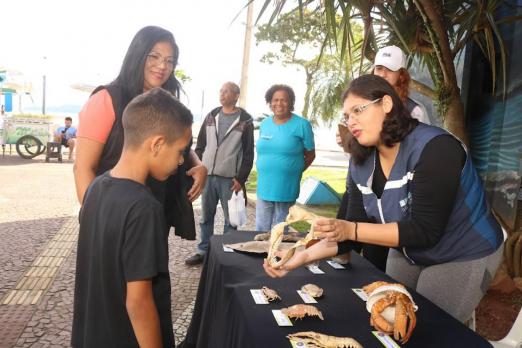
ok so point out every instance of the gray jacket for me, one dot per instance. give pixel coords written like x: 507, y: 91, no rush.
x: 234, y: 157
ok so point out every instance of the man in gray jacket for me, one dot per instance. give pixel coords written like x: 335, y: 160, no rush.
x: 226, y: 147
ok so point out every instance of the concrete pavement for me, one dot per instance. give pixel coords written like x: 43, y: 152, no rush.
x: 38, y: 231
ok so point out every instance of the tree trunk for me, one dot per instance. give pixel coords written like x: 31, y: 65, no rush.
x: 307, y: 93
x: 454, y: 118
x: 423, y: 89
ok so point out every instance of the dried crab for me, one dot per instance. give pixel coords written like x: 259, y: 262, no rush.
x: 270, y: 294
x: 368, y: 289
x: 401, y: 319
x: 299, y: 311
x: 276, y: 235
x: 312, y: 290
x: 318, y: 340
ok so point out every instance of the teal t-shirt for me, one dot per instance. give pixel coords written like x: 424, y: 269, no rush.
x: 280, y: 157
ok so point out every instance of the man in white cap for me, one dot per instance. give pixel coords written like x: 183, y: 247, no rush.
x: 390, y: 64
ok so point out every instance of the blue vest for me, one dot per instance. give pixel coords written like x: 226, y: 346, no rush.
x: 471, y: 233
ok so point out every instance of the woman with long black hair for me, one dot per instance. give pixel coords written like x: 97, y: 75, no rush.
x: 150, y: 62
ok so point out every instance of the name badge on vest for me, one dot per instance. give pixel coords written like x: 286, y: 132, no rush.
x: 406, y: 205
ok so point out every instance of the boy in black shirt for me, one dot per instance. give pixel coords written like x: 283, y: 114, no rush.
x: 122, y: 290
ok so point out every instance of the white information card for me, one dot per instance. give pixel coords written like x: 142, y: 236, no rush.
x: 315, y: 269
x: 306, y: 298
x: 386, y: 340
x: 258, y: 296
x: 335, y: 265
x: 227, y: 249
x: 360, y: 293
x: 282, y: 319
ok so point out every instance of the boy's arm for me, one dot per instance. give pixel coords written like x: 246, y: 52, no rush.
x: 143, y: 313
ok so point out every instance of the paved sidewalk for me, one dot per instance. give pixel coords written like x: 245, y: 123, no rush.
x: 38, y: 228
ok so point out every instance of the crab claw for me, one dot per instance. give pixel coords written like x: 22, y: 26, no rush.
x: 401, y: 320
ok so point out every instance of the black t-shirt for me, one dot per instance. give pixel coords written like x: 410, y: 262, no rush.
x: 123, y: 238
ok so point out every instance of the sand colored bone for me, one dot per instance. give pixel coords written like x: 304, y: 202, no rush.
x: 258, y: 247
x: 318, y: 340
x: 295, y: 214
x: 312, y: 290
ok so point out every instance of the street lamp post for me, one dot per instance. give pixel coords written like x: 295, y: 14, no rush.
x: 246, y: 56
x: 44, y: 85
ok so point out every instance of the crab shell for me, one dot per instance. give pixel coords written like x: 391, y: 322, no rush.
x: 312, y: 290
x: 299, y: 311
x: 270, y: 294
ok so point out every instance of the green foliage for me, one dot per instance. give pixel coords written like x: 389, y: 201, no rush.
x: 290, y: 32
x: 182, y: 76
x: 432, y: 32
x: 35, y: 117
x: 332, y: 80
x: 301, y: 37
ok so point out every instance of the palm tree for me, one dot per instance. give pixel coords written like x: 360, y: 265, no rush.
x: 433, y: 32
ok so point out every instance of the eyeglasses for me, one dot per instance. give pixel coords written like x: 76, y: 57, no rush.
x: 359, y: 109
x: 156, y: 60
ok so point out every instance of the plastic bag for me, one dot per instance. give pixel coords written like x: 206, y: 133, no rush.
x: 237, y: 209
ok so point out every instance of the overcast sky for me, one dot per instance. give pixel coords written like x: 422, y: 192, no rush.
x: 85, y: 42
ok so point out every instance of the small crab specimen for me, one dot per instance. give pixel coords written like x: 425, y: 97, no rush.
x: 299, y: 311
x: 270, y: 295
x: 312, y: 290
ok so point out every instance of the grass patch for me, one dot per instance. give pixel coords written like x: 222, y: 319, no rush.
x: 336, y: 178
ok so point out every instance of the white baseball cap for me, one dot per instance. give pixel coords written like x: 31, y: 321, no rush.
x: 390, y: 57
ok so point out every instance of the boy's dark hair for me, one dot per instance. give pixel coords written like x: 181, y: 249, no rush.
x: 154, y: 112
x: 396, y: 126
x: 291, y: 95
x: 68, y: 118
x: 131, y: 74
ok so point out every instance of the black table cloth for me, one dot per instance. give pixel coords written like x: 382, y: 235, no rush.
x: 225, y: 314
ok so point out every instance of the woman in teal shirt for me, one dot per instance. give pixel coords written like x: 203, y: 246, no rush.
x: 285, y: 148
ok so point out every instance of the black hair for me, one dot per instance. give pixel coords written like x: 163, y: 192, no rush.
x: 155, y: 112
x: 235, y: 87
x: 68, y: 118
x: 131, y: 77
x: 398, y: 122
x: 271, y: 91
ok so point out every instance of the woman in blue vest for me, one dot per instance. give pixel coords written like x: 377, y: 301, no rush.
x: 412, y: 188
x: 390, y: 64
